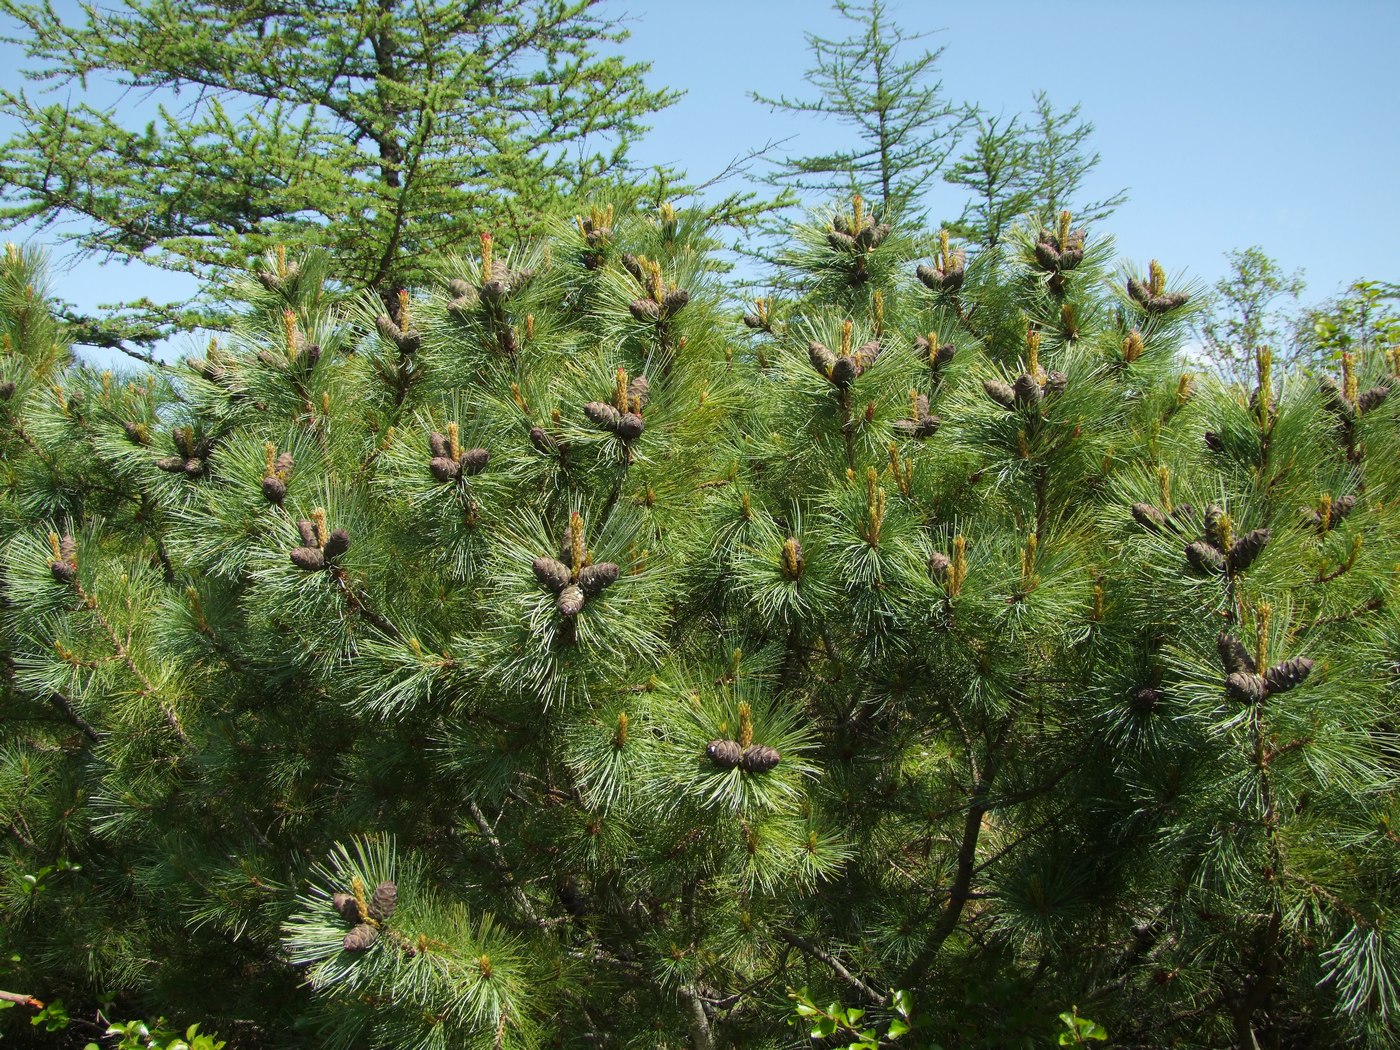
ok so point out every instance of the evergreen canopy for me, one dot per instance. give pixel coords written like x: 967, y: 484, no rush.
x: 563, y: 661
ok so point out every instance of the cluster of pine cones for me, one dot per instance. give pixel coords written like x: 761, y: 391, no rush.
x: 1344, y: 407
x: 1244, y: 683
x: 317, y: 553
x: 279, y: 472
x: 450, y: 463
x: 729, y: 754
x: 858, y: 235
x: 920, y: 424
x: 1059, y: 251
x: 624, y: 418
x: 366, y: 916
x: 845, y: 368
x: 659, y: 303
x: 1028, y: 391
x: 193, y: 457
x: 947, y: 274
x: 572, y: 577
x: 1152, y: 295
x: 1214, y: 553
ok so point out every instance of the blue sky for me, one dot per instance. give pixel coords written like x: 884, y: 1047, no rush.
x: 1230, y: 123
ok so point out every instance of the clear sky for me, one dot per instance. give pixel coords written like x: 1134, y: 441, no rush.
x: 1237, y: 122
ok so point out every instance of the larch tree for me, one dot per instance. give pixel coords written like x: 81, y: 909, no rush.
x: 389, y: 133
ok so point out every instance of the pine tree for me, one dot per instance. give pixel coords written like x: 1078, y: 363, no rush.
x: 388, y: 133
x: 562, y: 660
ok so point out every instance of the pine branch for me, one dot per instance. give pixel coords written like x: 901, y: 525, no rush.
x: 498, y: 857
x: 835, y: 965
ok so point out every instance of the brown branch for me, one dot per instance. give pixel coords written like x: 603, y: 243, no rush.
x: 65, y: 707
x: 701, y: 1037
x: 835, y: 965
x: 498, y: 856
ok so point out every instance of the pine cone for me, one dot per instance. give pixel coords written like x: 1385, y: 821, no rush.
x: 673, y: 301
x: 171, y: 464
x: 337, y: 543
x: 725, y: 753
x: 439, y: 447
x: 136, y: 433
x: 1048, y: 256
x: 596, y: 578
x: 1213, y: 441
x: 633, y: 265
x: 1246, y: 688
x: 759, y: 758
x: 841, y: 241
x: 360, y: 938
x: 645, y: 310
x: 1213, y: 515
x: 637, y: 393
x: 1056, y: 383
x: 494, y: 290
x: 308, y: 559
x: 383, y: 901
x: 603, y: 414
x: 285, y: 465
x: 194, y: 468
x: 543, y: 440
x: 474, y: 461
x: 999, y: 392
x: 823, y: 360
x: 630, y: 426
x: 408, y: 342
x: 570, y: 600
x: 463, y: 295
x: 1282, y: 677
x: 1341, y: 508
x: 575, y: 902
x: 308, y: 534
x: 1146, y: 699
x: 552, y: 575
x: 1205, y: 558
x: 274, y: 490
x: 1026, y: 391
x: 1334, y: 398
x: 1247, y: 548
x: 844, y: 371
x: 1234, y: 658
x: 1372, y: 398
x: 345, y: 905
x: 444, y: 469
x: 63, y: 571
x: 1149, y: 517
x: 7, y: 390
x: 754, y: 321
x: 938, y: 564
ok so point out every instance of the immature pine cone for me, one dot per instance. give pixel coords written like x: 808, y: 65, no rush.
x: 759, y: 758
x: 725, y: 753
x: 383, y: 901
x: 360, y: 938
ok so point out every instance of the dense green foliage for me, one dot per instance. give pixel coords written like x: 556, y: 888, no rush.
x: 387, y: 132
x: 931, y: 637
